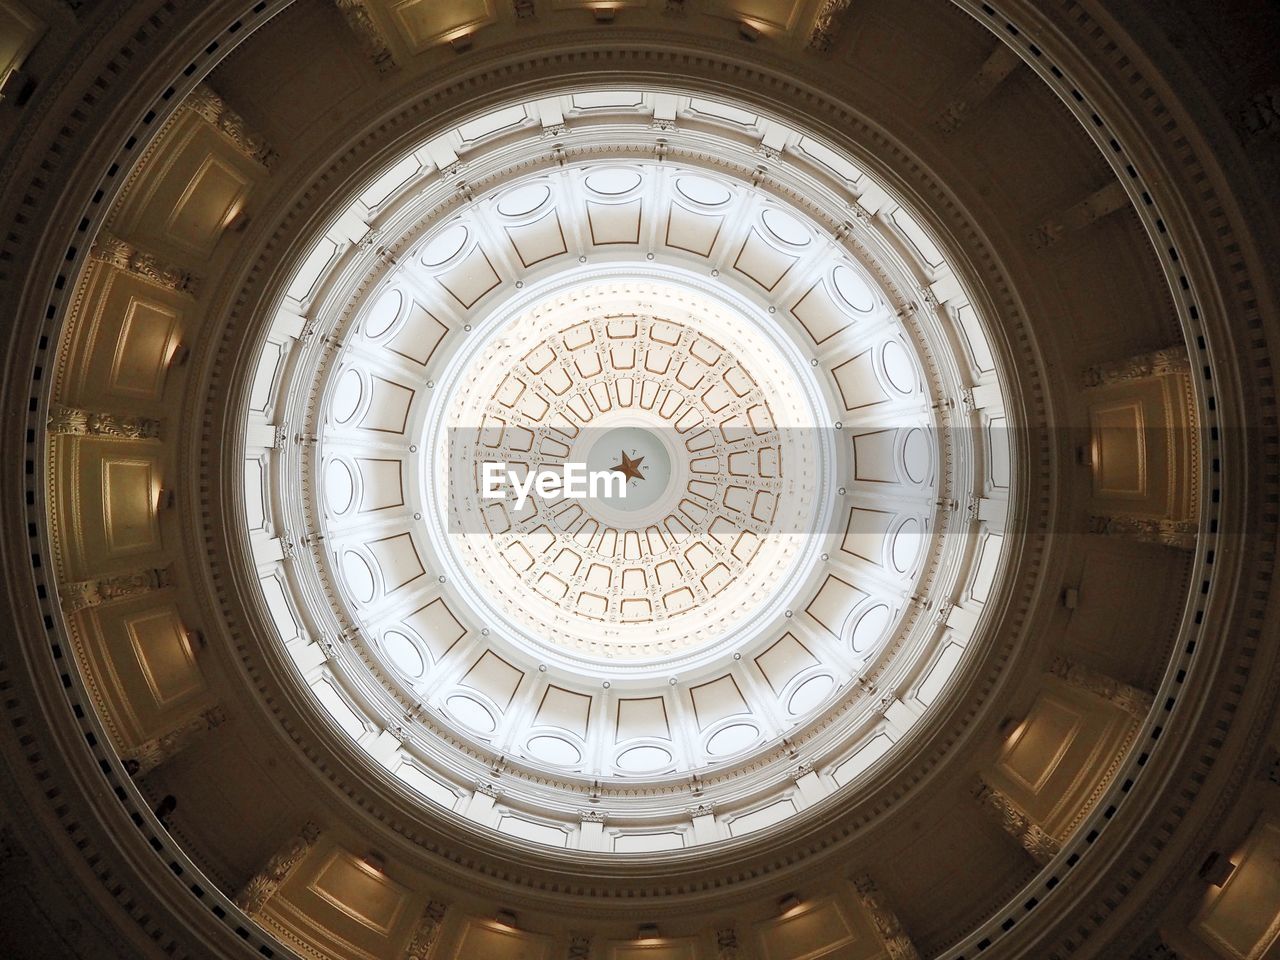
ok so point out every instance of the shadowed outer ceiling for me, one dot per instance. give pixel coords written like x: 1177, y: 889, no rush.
x: 1115, y: 728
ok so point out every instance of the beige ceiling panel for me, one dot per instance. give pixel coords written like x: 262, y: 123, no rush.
x: 822, y: 317
x: 761, y: 262
x: 130, y: 491
x: 1240, y: 917
x: 1040, y: 742
x: 381, y: 484
x: 857, y: 383
x: 1119, y: 449
x: 165, y: 656
x: 148, y: 339
x: 716, y: 700
x: 566, y: 709
x: 424, y: 23
x: 694, y: 232
x: 398, y: 560
x: 495, y: 678
x: 614, y: 222
x: 471, y: 279
x: 360, y: 891
x: 865, y: 534
x: 388, y: 410
x: 824, y: 928
x: 496, y: 941
x: 538, y: 241
x: 833, y: 604
x: 873, y: 456
x: 656, y: 949
x: 643, y: 717
x: 436, y: 625
x: 783, y: 660
x: 208, y: 203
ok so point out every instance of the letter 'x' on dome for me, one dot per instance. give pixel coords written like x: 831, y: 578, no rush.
x: 810, y: 528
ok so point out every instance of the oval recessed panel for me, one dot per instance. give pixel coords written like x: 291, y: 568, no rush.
x: 612, y: 183
x: 643, y: 759
x: 703, y: 191
x: 906, y: 545
x: 897, y: 367
x: 915, y: 455
x: 359, y: 576
x: 732, y: 739
x: 346, y: 396
x: 786, y: 228
x: 554, y: 750
x: 471, y: 713
x: 809, y: 694
x: 870, y: 628
x: 444, y: 247
x: 853, y: 289
x: 522, y: 200
x: 384, y: 313
x: 404, y: 654
x: 339, y: 486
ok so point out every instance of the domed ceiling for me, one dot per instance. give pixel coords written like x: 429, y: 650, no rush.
x: 767, y: 370
x: 902, y: 348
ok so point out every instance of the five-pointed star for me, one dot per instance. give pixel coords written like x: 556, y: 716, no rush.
x: 629, y: 468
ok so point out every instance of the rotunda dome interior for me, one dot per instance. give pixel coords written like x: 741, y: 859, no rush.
x: 918, y: 359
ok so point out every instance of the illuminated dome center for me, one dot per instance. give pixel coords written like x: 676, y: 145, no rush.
x: 760, y: 359
x: 708, y: 417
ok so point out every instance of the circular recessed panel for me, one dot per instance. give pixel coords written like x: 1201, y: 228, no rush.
x: 786, y: 228
x: 339, y: 486
x: 612, y: 182
x: 644, y: 759
x: 915, y: 455
x: 870, y: 627
x: 732, y: 739
x: 853, y: 289
x: 898, y: 367
x: 906, y: 545
x: 404, y: 654
x: 709, y: 193
x: 359, y: 576
x: 472, y: 713
x: 810, y: 694
x: 445, y: 247
x: 523, y: 200
x: 554, y: 750
x: 347, y: 396
x: 384, y: 313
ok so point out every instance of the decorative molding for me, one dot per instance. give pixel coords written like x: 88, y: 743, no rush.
x: 205, y: 101
x: 726, y: 943
x: 1158, y: 530
x: 267, y: 881
x: 92, y: 593
x: 427, y: 931
x: 579, y: 947
x: 827, y: 25
x: 1040, y: 845
x: 1157, y: 363
x: 148, y: 755
x: 73, y: 422
x: 124, y: 256
x: 1002, y: 62
x: 897, y: 944
x: 1128, y: 698
x: 361, y: 23
x: 524, y: 9
x: 1103, y: 201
